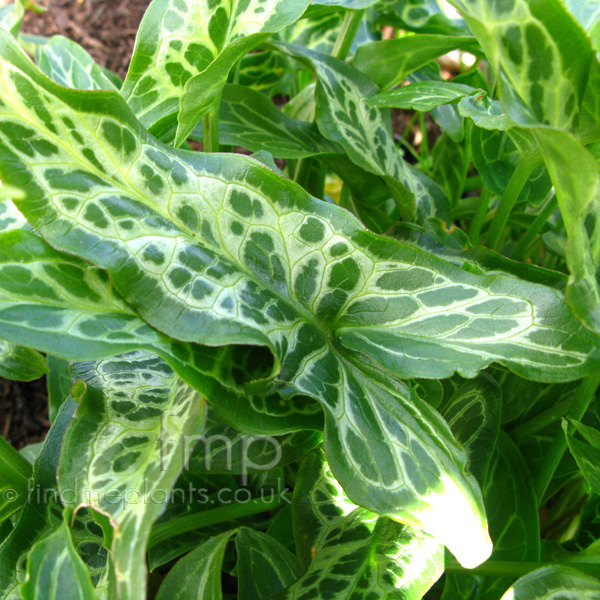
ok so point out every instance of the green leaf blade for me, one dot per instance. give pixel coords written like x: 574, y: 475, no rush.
x: 141, y: 416
x: 205, y: 258
x: 197, y: 576
x: 422, y: 96
x: 55, y: 570
x: 185, y: 50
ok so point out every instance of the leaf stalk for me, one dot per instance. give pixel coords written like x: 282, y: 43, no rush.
x: 519, y: 178
x: 350, y: 25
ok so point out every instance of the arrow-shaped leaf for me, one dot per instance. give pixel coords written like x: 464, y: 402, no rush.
x: 184, y: 51
x: 124, y: 450
x: 221, y: 251
x: 351, y: 552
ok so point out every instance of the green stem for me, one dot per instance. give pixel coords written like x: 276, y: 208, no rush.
x: 167, y: 530
x: 424, y: 142
x: 347, y: 34
x: 210, y: 126
x: 473, y: 183
x: 583, y: 397
x: 509, y: 198
x: 409, y: 127
x: 536, y: 226
x: 540, y: 421
x: 414, y: 153
x: 479, y: 218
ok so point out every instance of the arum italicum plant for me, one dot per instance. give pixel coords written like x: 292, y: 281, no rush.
x: 403, y: 341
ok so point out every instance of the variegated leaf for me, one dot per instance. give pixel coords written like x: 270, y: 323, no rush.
x: 364, y: 132
x: 185, y: 50
x: 422, y: 95
x: 249, y: 119
x: 10, y: 217
x: 587, y: 12
x: 348, y: 4
x: 454, y: 246
x: 417, y: 15
x: 473, y: 413
x: 55, y: 571
x: 221, y: 250
x: 552, y: 583
x: 20, y: 363
x: 527, y: 39
x: 350, y: 552
x: 273, y: 73
x: 11, y: 16
x: 124, y: 450
x: 71, y: 66
x: 446, y: 116
x: 546, y: 93
x: 86, y: 317
x: 485, y: 112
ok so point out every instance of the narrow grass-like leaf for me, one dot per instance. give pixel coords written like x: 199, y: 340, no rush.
x: 451, y: 162
x: 15, y: 473
x: 55, y: 571
x: 59, y: 384
x: 586, y: 453
x: 124, y: 450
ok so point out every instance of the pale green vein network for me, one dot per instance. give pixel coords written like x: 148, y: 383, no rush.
x: 220, y: 250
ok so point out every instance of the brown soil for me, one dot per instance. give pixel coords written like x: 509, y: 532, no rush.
x: 23, y: 411
x: 105, y: 28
